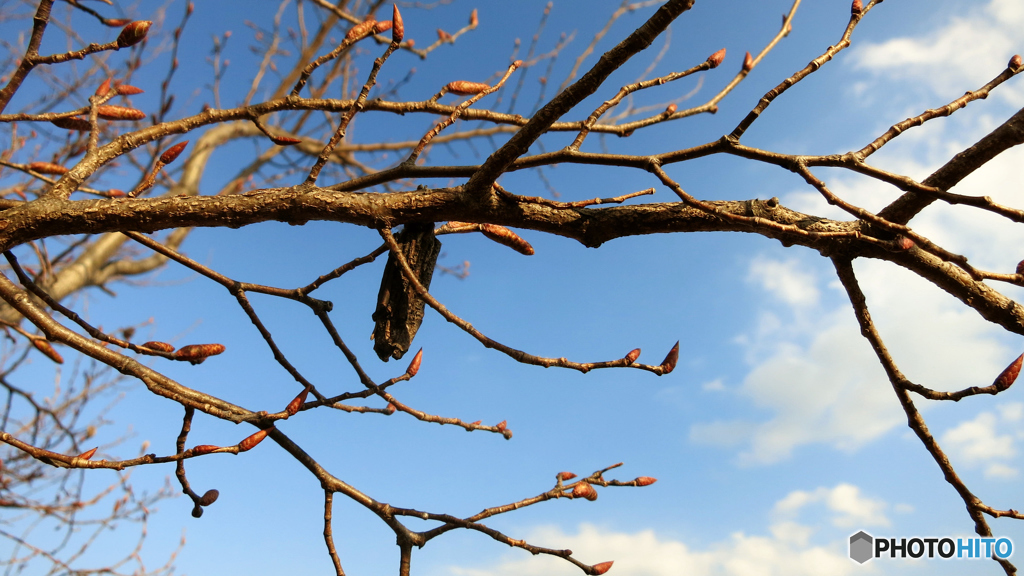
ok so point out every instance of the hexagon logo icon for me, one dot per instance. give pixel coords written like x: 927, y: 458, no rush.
x: 861, y: 545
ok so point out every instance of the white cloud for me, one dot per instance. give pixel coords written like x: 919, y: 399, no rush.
x: 980, y: 443
x: 785, y: 549
x: 963, y: 54
x: 820, y: 381
x: 850, y: 508
x: 786, y: 280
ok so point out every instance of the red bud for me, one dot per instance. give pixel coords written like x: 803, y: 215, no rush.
x: 904, y: 243
x: 47, y: 168
x: 669, y: 363
x: 748, y: 62
x: 1007, y: 377
x: 103, y: 88
x: 133, y: 33
x: 161, y: 346
x: 172, y: 153
x: 116, y: 22
x: 1015, y: 62
x: 390, y: 409
x: 250, y: 442
x: 285, y: 140
x: 397, y: 26
x: 504, y: 236
x: 71, y: 123
x: 46, y: 348
x: 209, y: 497
x: 502, y: 425
x: 414, y: 366
x: 119, y: 113
x: 584, y: 490
x: 360, y: 31
x: 473, y: 19
x: 204, y: 449
x: 633, y: 355
x: 716, y: 58
x: 296, y: 403
x: 88, y: 454
x: 1020, y: 267
x: 196, y: 353
x: 443, y: 36
x: 857, y: 7
x: 563, y: 476
x: 127, y: 90
x: 382, y: 27
x: 645, y: 481
x: 602, y: 567
x: 465, y: 87
x: 671, y: 109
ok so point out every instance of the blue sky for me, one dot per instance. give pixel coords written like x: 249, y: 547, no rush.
x: 775, y: 438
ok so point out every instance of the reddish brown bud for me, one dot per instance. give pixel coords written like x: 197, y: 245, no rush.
x: 1015, y: 62
x: 133, y: 33
x: 115, y: 193
x: 410, y: 42
x: 360, y: 31
x: 671, y: 109
x: 444, y: 36
x: 414, y: 366
x: 128, y: 90
x: 204, y: 449
x: 161, y: 346
x: 297, y: 402
x: 209, y: 497
x: 466, y: 87
x: 563, y: 476
x: 71, y: 123
x: 196, y: 353
x: 669, y: 363
x: 119, y: 113
x: 103, y: 88
x: 380, y: 27
x: 473, y: 19
x: 645, y: 481
x: 1020, y: 267
x: 584, y: 490
x: 390, y: 409
x: 46, y: 348
x: 716, y: 58
x: 285, y: 140
x: 748, y: 62
x: 197, y: 511
x: 47, y: 168
x: 250, y: 442
x: 88, y: 454
x: 1007, y: 377
x: 633, y: 355
x: 116, y: 22
x: 602, y: 567
x: 857, y: 7
x: 503, y: 235
x: 502, y: 425
x: 397, y: 26
x: 172, y: 153
x: 903, y: 243
x: 190, y: 8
